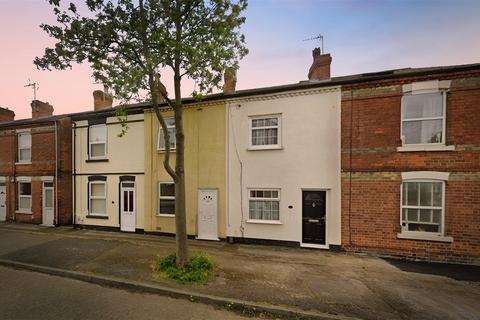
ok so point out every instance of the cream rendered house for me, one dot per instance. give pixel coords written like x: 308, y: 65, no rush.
x: 205, y: 170
x: 284, y: 162
x: 108, y: 170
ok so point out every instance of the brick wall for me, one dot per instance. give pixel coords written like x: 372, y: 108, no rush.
x: 42, y: 164
x: 371, y: 169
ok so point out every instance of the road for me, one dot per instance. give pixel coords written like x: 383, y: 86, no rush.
x: 31, y: 295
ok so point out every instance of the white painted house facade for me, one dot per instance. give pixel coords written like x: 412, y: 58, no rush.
x: 284, y: 167
x: 108, y: 170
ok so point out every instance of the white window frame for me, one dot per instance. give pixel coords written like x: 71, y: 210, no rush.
x: 278, y: 145
x: 90, y: 198
x: 19, y: 147
x: 425, y: 87
x: 160, y: 135
x: 160, y: 197
x: 427, y: 177
x: 90, y: 142
x: 278, y: 199
x: 24, y: 210
x: 442, y: 117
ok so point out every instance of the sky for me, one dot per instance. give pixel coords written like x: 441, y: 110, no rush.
x: 362, y: 36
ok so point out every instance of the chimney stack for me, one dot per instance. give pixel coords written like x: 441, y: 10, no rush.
x: 41, y: 109
x: 101, y: 100
x: 6, y: 115
x: 230, y: 78
x: 320, y: 69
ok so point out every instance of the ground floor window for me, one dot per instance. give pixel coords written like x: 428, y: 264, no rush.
x: 166, y: 192
x: 25, y: 196
x: 264, y: 204
x: 97, y: 197
x: 423, y: 206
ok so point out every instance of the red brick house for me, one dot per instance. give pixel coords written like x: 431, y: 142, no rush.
x: 411, y: 163
x: 36, y: 167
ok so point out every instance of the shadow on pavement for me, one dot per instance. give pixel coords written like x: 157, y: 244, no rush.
x: 454, y: 271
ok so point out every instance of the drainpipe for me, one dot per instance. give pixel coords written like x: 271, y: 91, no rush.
x: 14, y: 189
x: 56, y: 175
x: 350, y: 172
x: 74, y: 173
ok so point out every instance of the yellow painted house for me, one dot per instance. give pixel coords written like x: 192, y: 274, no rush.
x: 205, y: 171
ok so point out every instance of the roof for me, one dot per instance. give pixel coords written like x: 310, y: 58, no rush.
x: 41, y: 120
x: 302, y: 85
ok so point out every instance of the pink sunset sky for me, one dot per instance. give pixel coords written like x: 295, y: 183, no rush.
x: 361, y: 36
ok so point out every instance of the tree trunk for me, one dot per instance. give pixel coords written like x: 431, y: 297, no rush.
x: 180, y: 205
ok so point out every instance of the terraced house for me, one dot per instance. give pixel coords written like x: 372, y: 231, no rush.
x: 284, y: 162
x: 35, y: 167
x: 108, y: 170
x: 411, y: 163
x: 205, y: 169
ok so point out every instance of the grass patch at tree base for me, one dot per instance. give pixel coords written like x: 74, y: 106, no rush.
x: 197, y: 271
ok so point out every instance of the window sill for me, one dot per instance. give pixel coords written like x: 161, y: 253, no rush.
x: 260, y: 148
x: 96, y: 216
x: 424, y: 236
x: 23, y: 211
x: 163, y: 150
x: 264, y: 221
x: 425, y: 147
x: 96, y: 160
x: 20, y: 163
x: 164, y: 215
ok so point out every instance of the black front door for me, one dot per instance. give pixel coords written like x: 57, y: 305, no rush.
x: 313, y: 216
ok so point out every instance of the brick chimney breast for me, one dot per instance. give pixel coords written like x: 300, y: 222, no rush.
x: 230, y: 78
x: 320, y: 69
x: 41, y: 109
x: 6, y: 115
x: 101, y: 100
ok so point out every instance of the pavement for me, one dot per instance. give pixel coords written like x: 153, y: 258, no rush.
x: 72, y: 299
x: 305, y: 282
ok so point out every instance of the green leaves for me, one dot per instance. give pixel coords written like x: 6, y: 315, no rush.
x: 199, y: 38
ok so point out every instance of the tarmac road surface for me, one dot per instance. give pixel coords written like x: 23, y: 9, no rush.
x: 31, y: 295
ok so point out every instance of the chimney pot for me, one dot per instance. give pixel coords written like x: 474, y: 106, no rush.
x: 230, y: 78
x: 101, y: 100
x: 320, y: 69
x: 41, y: 109
x: 6, y: 115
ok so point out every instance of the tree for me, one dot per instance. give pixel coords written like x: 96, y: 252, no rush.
x: 128, y: 46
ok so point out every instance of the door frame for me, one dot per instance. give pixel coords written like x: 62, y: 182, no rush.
x: 4, y: 182
x: 134, y: 189
x: 198, y: 211
x: 43, y: 200
x: 327, y: 210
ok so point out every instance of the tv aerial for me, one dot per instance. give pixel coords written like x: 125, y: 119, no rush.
x: 35, y: 86
x: 319, y: 38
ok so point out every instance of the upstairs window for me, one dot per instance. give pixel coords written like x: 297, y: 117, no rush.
x: 423, y: 118
x: 166, y: 191
x: 264, y: 204
x: 171, y: 132
x: 24, y: 147
x: 97, y: 144
x: 265, y: 132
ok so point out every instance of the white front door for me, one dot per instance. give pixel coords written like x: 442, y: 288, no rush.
x: 208, y: 214
x: 3, y: 202
x: 127, y: 206
x: 48, y: 207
